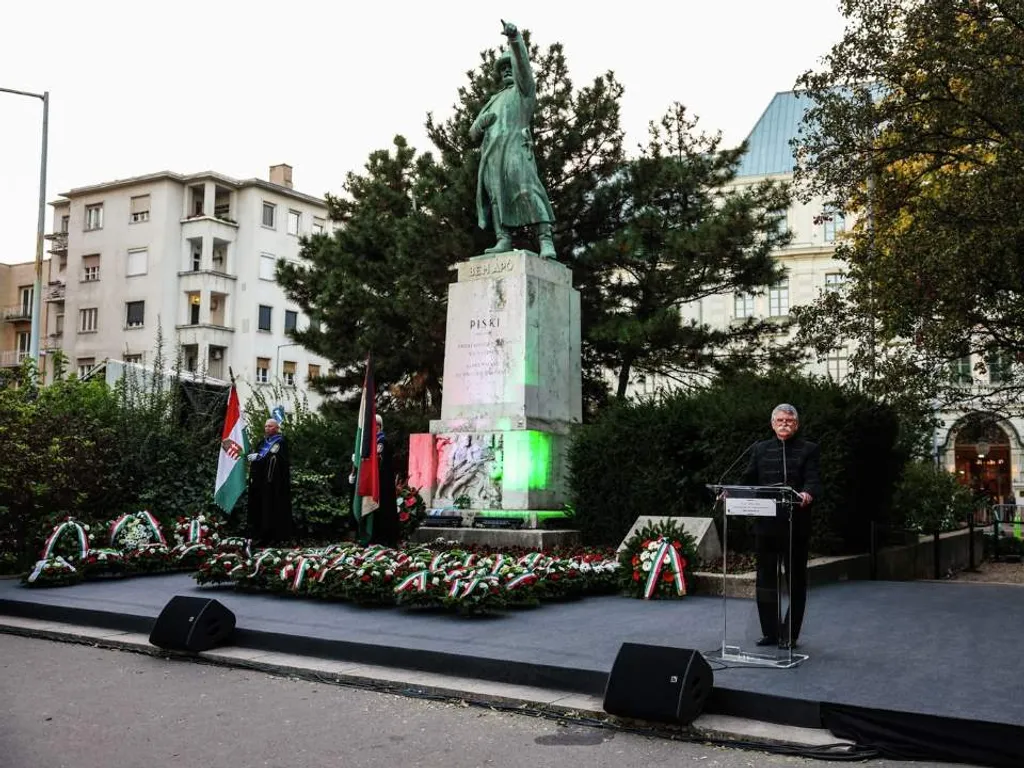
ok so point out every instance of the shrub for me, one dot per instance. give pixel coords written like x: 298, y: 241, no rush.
x: 655, y: 456
x: 931, y: 500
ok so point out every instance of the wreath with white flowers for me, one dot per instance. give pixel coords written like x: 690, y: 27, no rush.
x: 135, y: 530
x: 69, y: 538
x: 657, y: 562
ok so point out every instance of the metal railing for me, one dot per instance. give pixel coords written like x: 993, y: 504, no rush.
x: 17, y: 312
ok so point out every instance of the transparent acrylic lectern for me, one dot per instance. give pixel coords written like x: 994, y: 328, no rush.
x: 758, y: 501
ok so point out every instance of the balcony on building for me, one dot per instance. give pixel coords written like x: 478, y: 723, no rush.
x: 209, y: 213
x: 58, y: 243
x: 206, y: 319
x: 55, y: 291
x: 19, y: 313
x: 11, y: 358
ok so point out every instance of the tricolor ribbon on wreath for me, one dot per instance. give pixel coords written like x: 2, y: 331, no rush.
x: 301, y: 566
x: 666, y: 555
x: 520, y: 580
x: 195, y: 531
x: 72, y: 525
x: 417, y: 581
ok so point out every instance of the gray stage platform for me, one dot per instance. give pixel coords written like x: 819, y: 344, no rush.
x: 937, y: 649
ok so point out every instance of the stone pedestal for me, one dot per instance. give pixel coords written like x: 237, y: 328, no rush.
x: 512, y: 389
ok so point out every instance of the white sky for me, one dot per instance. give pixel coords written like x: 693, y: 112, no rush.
x: 187, y: 86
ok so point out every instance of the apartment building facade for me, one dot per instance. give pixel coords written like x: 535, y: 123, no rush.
x: 17, y: 289
x: 189, y: 259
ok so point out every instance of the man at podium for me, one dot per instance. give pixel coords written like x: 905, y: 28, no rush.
x: 785, y: 460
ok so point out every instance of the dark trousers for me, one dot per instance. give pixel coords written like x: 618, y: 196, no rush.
x: 773, y: 551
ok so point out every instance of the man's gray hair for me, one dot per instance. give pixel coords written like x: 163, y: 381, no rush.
x: 785, y: 408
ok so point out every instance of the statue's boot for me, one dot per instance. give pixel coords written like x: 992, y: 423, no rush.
x: 504, y: 244
x: 547, y: 243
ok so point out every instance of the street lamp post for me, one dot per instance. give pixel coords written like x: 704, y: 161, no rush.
x: 37, y: 289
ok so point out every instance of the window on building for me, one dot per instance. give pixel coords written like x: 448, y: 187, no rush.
x: 137, y: 262
x: 834, y: 280
x: 743, y: 305
x: 58, y: 325
x: 778, y: 299
x: 835, y: 223
x: 65, y: 223
x: 291, y: 319
x: 782, y: 225
x: 294, y: 219
x: 318, y: 225
x: 262, y: 370
x: 137, y: 359
x: 194, y: 302
x: 288, y: 373
x: 85, y: 364
x: 269, y: 215
x: 140, y: 209
x: 998, y: 364
x: 195, y: 254
x: 25, y: 296
x: 88, y: 319
x: 963, y: 370
x: 264, y: 320
x: 313, y: 372
x: 135, y: 314
x: 23, y: 340
x: 91, y: 268
x: 93, y: 217
x: 268, y: 264
x: 838, y: 364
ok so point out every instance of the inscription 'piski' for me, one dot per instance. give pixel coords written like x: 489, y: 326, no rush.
x: 484, y: 322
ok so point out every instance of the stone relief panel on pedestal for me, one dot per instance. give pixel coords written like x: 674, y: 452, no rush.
x: 470, y: 465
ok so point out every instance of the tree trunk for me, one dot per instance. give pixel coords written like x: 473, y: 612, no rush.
x: 627, y: 366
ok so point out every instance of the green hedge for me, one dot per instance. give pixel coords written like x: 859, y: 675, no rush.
x: 654, y: 457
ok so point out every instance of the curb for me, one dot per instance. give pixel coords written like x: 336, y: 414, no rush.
x: 402, y: 682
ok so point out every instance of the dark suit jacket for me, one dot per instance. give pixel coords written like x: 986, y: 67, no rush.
x: 795, y: 462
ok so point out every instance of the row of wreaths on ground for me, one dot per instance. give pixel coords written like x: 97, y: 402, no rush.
x: 656, y: 563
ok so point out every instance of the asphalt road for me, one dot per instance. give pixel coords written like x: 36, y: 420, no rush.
x: 84, y: 707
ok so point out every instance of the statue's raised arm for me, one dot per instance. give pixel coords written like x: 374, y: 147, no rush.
x: 521, y: 70
x: 509, y: 192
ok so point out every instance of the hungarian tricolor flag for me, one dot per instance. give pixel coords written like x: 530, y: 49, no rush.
x: 367, y: 492
x: 234, y: 445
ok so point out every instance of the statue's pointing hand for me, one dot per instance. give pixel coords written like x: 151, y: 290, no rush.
x: 509, y: 30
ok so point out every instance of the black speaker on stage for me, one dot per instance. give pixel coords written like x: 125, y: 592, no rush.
x: 652, y: 682
x: 192, y: 624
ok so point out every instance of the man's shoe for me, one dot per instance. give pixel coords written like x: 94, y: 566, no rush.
x: 768, y: 641
x: 547, y: 248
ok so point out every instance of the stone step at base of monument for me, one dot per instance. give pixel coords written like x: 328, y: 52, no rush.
x: 450, y: 517
x: 501, y: 538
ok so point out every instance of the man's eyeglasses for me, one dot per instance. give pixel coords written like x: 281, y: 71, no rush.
x: 786, y: 421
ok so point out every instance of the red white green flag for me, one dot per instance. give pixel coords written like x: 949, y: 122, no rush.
x: 234, y: 445
x: 366, y: 498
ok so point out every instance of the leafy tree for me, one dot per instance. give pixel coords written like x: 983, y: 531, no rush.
x: 380, y: 282
x: 679, y: 232
x: 915, y: 123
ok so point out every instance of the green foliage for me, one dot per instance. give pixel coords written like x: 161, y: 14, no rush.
x: 675, y: 234
x: 932, y: 155
x: 654, y: 457
x: 931, y: 500
x: 82, y: 447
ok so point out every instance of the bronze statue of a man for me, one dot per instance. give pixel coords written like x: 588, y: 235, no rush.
x: 509, y: 191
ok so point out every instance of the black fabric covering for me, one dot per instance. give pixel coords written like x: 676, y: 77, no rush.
x: 385, y: 518
x: 270, y: 498
x: 912, y: 736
